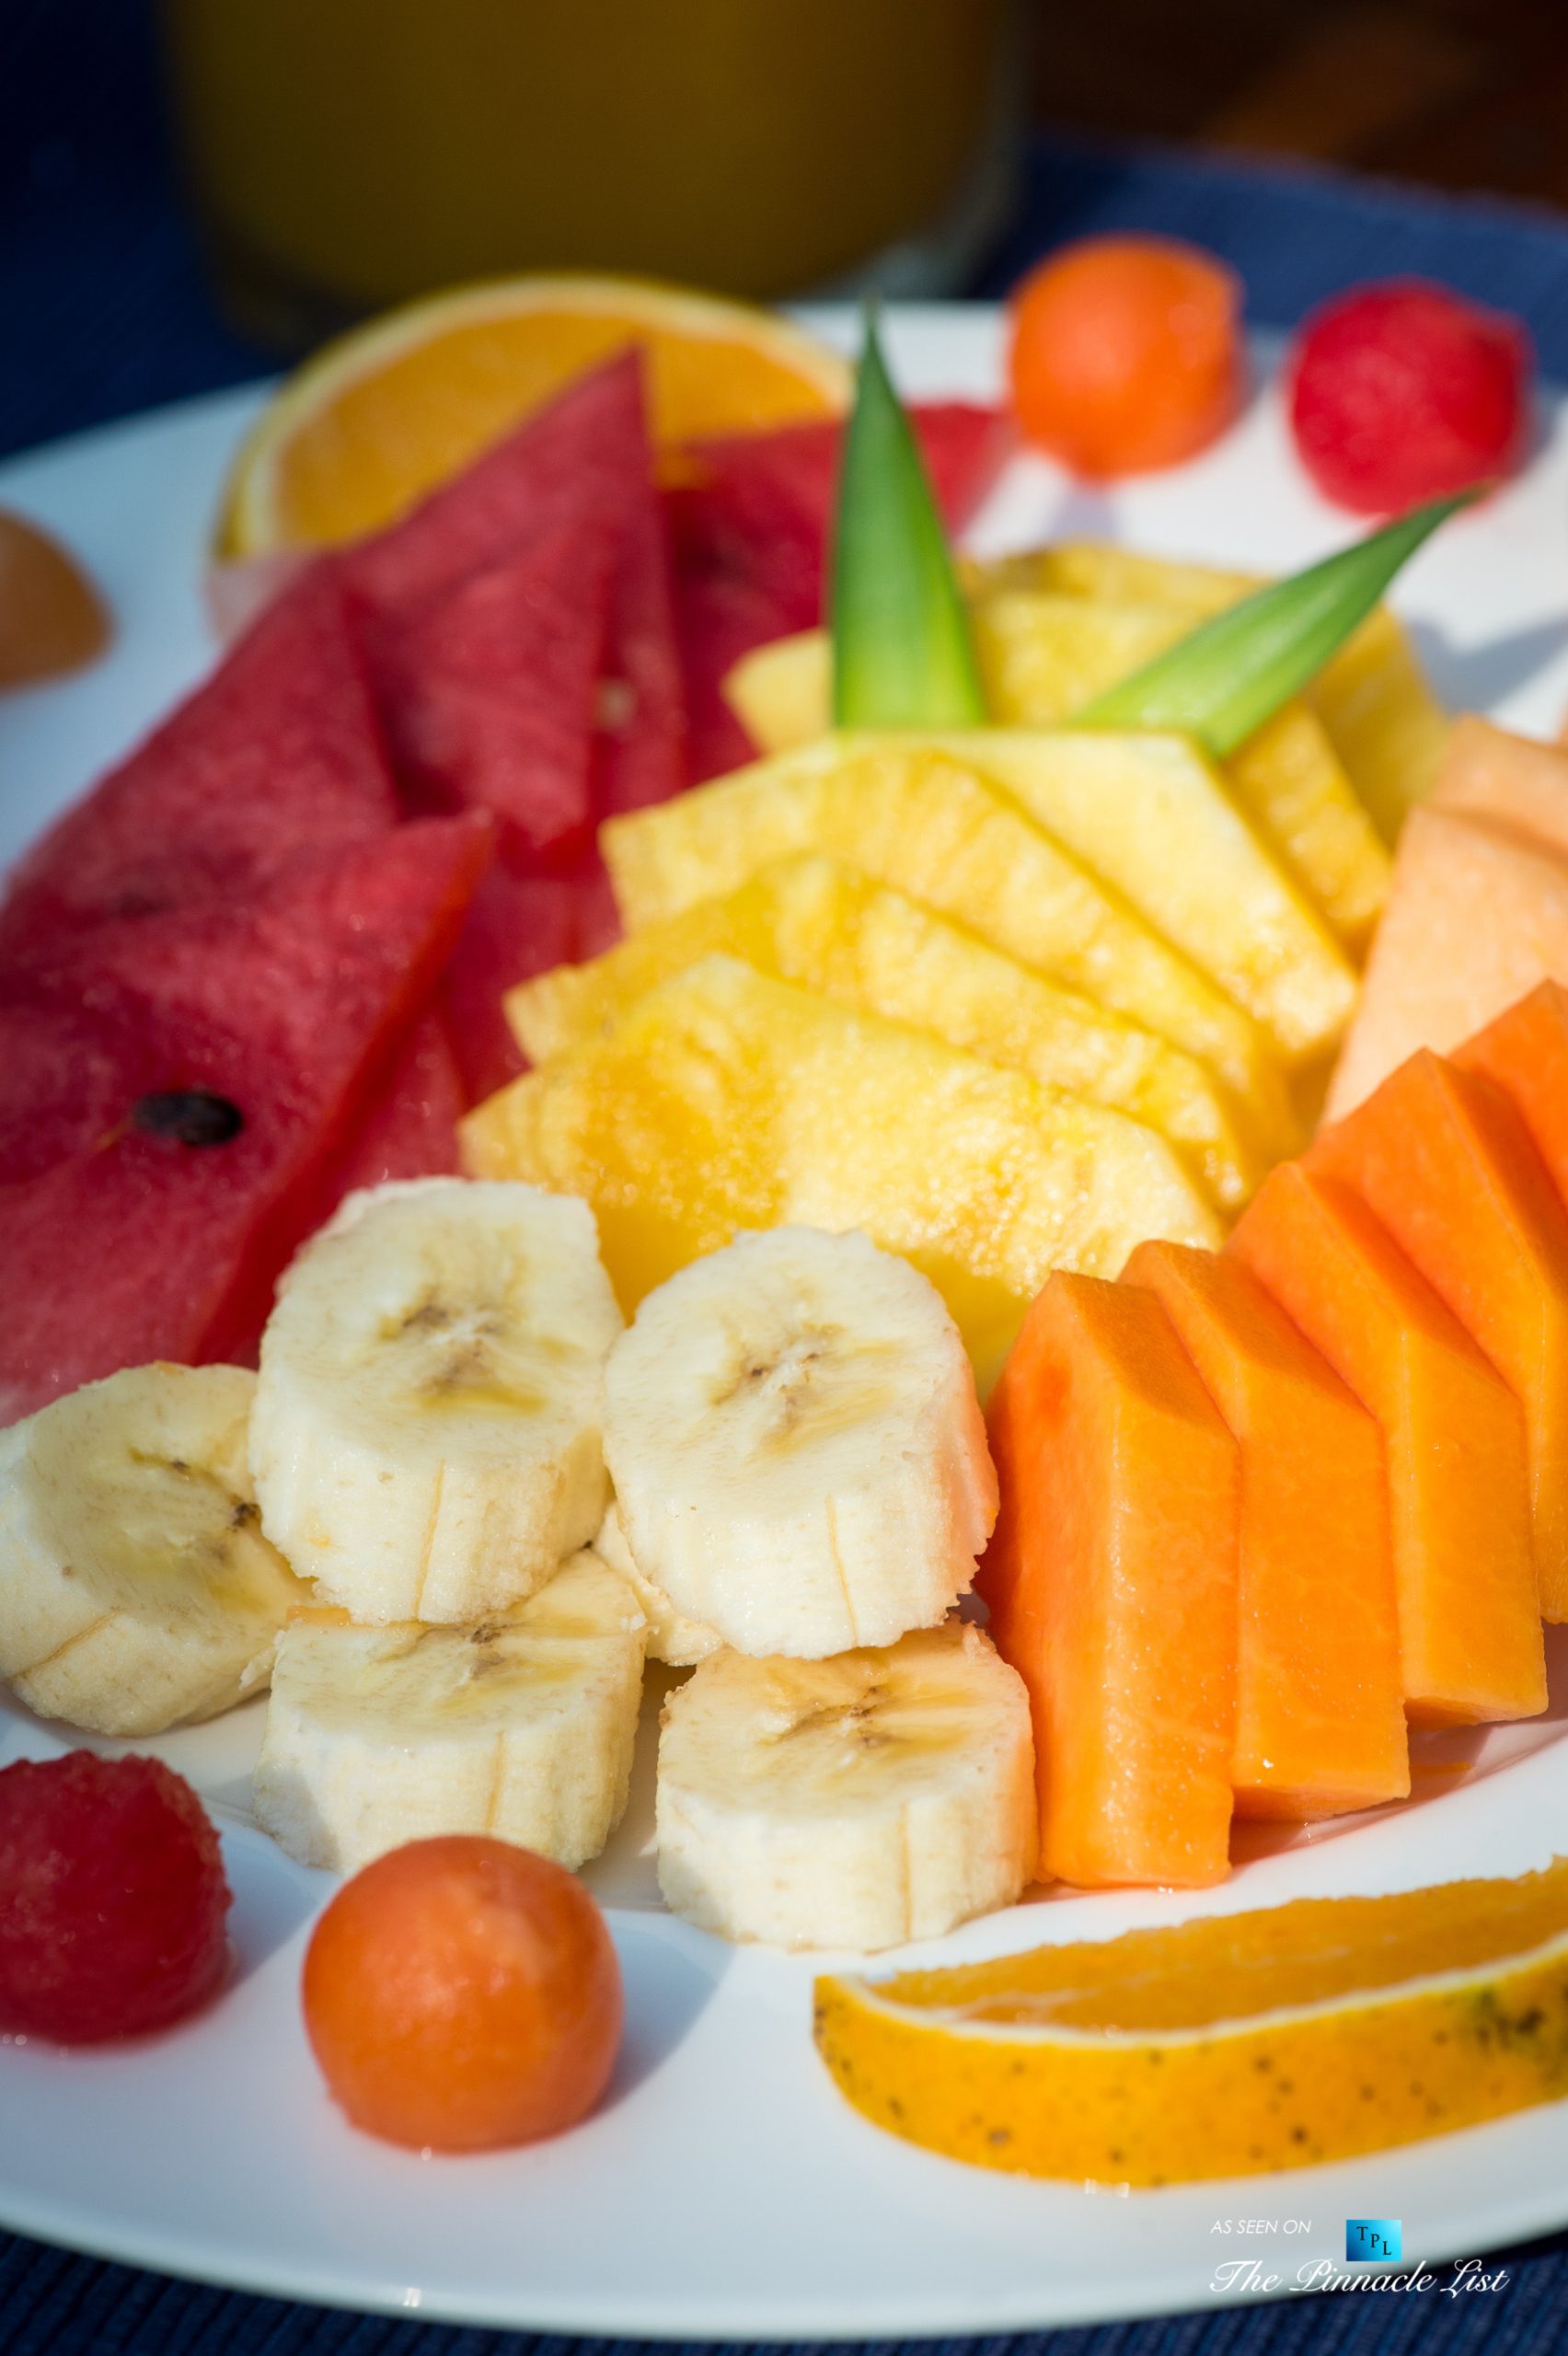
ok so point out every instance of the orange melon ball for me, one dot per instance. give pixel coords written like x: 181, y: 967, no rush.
x: 462, y: 1994
x: 1127, y: 354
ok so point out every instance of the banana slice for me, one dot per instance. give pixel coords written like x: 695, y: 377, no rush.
x: 798, y: 1454
x: 850, y: 1803
x: 521, y: 1726
x: 136, y: 1590
x: 425, y: 1439
x: 677, y: 1642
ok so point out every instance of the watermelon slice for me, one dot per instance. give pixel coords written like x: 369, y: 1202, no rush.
x: 411, y: 1129
x: 750, y: 538
x: 489, y: 693
x: 641, y: 745
x: 516, y: 926
x: 277, y: 753
x: 585, y: 454
x: 191, y: 1074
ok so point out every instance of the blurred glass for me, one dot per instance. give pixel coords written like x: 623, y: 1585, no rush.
x: 348, y: 154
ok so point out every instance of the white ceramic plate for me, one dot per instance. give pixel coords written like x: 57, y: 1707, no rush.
x: 725, y: 2190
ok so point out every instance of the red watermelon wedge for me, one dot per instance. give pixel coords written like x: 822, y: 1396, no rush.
x: 585, y: 454
x: 410, y: 1131
x: 191, y: 1075
x: 277, y: 753
x: 517, y: 926
x: 642, y: 753
x: 751, y: 541
x: 489, y: 693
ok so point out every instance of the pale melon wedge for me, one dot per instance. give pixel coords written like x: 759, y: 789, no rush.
x: 1477, y: 917
x: 1152, y: 817
x: 932, y: 827
x: 724, y: 1099
x: 1513, y: 780
x: 826, y: 927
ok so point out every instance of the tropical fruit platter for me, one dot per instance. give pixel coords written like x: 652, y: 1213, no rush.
x: 784, y: 1243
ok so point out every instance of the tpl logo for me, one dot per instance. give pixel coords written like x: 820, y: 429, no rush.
x: 1372, y: 2240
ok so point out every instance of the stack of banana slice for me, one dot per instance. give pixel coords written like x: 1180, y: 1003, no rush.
x: 801, y: 1469
x: 405, y: 1525
x: 426, y: 1447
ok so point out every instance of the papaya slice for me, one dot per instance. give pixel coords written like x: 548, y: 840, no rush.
x: 1525, y: 1053
x: 1112, y: 1582
x: 1446, y: 1162
x: 1453, y: 1437
x: 1319, y: 1710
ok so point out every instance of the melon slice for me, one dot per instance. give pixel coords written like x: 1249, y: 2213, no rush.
x: 750, y: 531
x: 1446, y: 1165
x: 1112, y: 1582
x: 642, y: 752
x: 277, y: 754
x: 489, y: 692
x: 516, y: 926
x: 1454, y: 1441
x: 410, y: 1130
x: 723, y: 1099
x: 1513, y: 780
x: 1475, y: 917
x: 1320, y: 1702
x: 585, y: 454
x: 138, y: 1224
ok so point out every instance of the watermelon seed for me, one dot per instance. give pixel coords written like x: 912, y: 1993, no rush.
x: 188, y: 1117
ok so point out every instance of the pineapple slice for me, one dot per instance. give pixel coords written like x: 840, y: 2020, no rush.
x: 1382, y: 718
x: 1151, y: 815
x: 931, y: 828
x: 783, y: 693
x: 1289, y: 781
x: 828, y: 927
x: 1043, y: 656
x: 723, y: 1099
x: 1094, y: 569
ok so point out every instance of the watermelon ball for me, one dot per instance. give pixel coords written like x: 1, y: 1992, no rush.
x: 1403, y: 392
x: 112, y: 1898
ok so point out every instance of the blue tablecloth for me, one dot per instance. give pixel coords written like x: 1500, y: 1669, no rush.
x: 104, y: 310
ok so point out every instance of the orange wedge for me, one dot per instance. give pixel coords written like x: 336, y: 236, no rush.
x: 388, y: 411
x: 1230, y: 2047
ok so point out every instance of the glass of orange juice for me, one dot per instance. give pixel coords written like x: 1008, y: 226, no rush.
x: 350, y: 154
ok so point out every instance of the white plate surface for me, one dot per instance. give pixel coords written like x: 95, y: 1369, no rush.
x: 725, y: 2190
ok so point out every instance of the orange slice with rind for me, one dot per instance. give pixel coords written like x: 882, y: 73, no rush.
x: 383, y: 413
x: 1233, y: 2046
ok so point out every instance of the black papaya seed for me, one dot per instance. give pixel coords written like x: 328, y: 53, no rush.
x: 188, y: 1117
